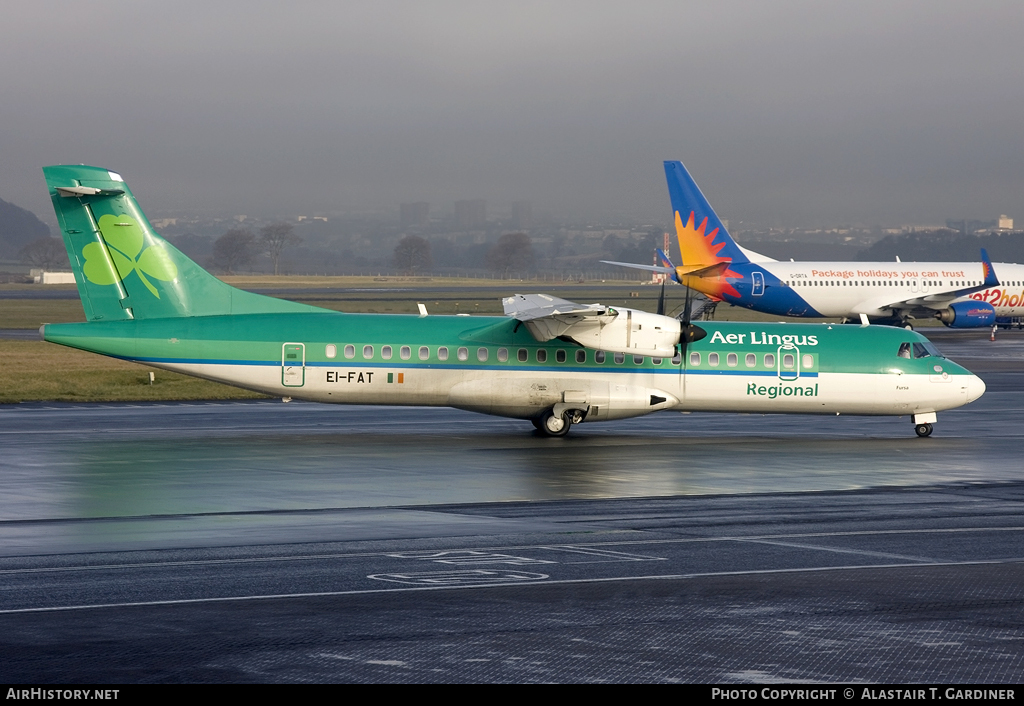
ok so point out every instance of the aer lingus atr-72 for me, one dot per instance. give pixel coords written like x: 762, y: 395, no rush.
x: 959, y: 294
x: 549, y: 361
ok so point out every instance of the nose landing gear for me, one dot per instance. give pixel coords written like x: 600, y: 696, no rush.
x: 923, y: 423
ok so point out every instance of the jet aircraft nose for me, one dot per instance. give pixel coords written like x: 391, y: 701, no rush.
x: 975, y: 388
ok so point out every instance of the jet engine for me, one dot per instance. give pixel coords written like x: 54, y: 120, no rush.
x: 967, y: 314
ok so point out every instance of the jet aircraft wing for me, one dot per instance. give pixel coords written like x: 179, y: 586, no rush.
x: 941, y: 300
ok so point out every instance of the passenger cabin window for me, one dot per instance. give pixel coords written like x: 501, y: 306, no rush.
x: 713, y: 360
x: 405, y: 352
x: 424, y: 352
x: 808, y: 361
x: 581, y: 356
x: 385, y: 352
x: 599, y: 356
x: 769, y: 360
x: 503, y: 354
x: 442, y: 353
x: 350, y: 351
x: 542, y: 355
x: 331, y: 351
x: 638, y: 360
x: 523, y: 355
x: 656, y: 361
x: 619, y: 358
x: 788, y: 361
x: 463, y: 354
x: 560, y: 356
x: 367, y: 351
x: 732, y: 360
x: 481, y: 355
x: 677, y: 359
x: 695, y: 359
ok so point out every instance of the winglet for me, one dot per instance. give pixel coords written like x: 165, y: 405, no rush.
x: 990, y: 273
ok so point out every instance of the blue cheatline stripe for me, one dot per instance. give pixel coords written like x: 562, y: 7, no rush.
x: 610, y: 368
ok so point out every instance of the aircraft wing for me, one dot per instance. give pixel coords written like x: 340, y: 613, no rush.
x: 549, y: 317
x: 940, y: 300
x: 594, y: 325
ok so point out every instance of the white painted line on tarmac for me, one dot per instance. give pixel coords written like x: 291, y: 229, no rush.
x: 583, y: 548
x: 563, y: 582
x: 841, y: 550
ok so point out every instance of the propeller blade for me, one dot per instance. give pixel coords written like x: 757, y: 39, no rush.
x: 661, y: 300
x: 689, y: 333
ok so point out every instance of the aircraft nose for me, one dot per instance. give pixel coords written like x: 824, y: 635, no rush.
x: 975, y: 388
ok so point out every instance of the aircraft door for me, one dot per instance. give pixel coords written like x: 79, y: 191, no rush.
x: 293, y: 364
x: 789, y: 362
x: 758, y: 283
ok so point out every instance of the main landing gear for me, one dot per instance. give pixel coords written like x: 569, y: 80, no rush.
x: 923, y: 430
x: 552, y: 424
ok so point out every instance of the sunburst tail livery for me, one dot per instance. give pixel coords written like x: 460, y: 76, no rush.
x: 553, y: 362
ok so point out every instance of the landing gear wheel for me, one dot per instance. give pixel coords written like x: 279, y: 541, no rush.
x: 923, y: 430
x: 908, y: 326
x: 553, y: 425
x: 537, y: 424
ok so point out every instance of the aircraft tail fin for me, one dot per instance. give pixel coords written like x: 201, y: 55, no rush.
x: 703, y: 238
x: 123, y: 268
x: 990, y: 273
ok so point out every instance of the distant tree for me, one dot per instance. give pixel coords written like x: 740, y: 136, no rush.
x: 413, y: 253
x: 275, y: 238
x: 557, y: 245
x: 611, y: 244
x: 47, y: 253
x: 234, y: 249
x: 512, y: 253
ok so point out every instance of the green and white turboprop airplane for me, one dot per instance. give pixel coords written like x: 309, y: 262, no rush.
x: 550, y: 361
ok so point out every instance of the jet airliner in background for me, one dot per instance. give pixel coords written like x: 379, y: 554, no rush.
x: 550, y: 361
x: 959, y: 294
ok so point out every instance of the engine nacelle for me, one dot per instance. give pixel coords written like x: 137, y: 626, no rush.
x: 968, y: 314
x: 631, y: 331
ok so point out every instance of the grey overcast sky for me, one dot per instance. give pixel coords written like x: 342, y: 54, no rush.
x: 786, y: 112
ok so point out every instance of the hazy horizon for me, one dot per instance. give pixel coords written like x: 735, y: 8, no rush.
x: 787, y: 113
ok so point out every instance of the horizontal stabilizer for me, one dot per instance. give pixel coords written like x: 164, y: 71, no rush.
x: 646, y: 268
x: 715, y: 270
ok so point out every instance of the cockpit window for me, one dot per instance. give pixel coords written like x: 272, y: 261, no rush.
x: 925, y: 350
x: 904, y: 350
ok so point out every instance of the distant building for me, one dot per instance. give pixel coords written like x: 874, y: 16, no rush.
x: 41, y: 276
x: 972, y: 227
x: 470, y: 215
x: 522, y: 215
x: 415, y: 214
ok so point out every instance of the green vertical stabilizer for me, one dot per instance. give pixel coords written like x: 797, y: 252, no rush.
x: 123, y: 269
